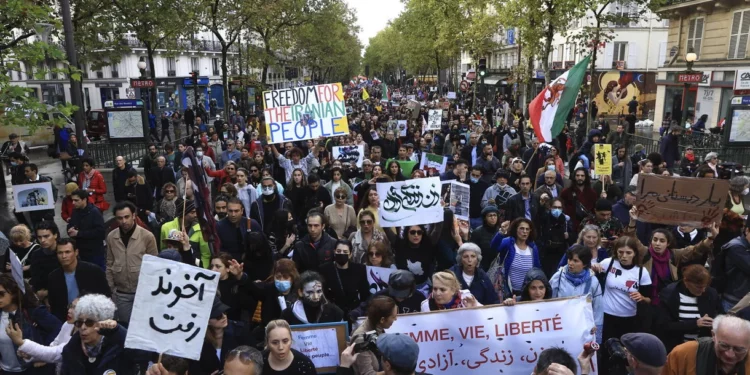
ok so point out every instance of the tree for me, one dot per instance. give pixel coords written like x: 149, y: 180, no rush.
x: 157, y: 24
x: 273, y: 22
x: 97, y: 34
x: 19, y: 21
x: 385, y: 53
x: 328, y: 45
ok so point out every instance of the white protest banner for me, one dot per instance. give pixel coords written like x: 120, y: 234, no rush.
x: 410, y: 202
x: 451, y: 95
x: 171, y: 309
x: 459, y: 200
x: 322, y: 343
x: 435, y: 118
x: 377, y: 277
x: 16, y: 270
x: 432, y: 161
x: 33, y: 197
x: 402, y: 128
x: 497, y: 339
x: 348, y: 154
x: 308, y: 112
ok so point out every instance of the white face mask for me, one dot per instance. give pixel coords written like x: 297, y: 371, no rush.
x: 199, y: 154
x: 267, y: 190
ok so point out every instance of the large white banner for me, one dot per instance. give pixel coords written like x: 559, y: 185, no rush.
x: 377, y: 277
x: 497, y: 339
x: 171, y: 308
x: 410, y: 202
x: 349, y: 154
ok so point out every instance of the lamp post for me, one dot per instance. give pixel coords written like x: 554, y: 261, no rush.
x: 142, y: 67
x: 690, y: 58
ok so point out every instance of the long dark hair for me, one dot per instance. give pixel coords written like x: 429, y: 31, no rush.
x: 23, y: 301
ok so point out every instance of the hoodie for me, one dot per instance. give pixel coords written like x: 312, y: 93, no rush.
x: 561, y: 287
x: 535, y: 274
x: 586, y: 147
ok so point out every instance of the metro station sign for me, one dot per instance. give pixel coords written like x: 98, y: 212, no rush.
x: 689, y: 77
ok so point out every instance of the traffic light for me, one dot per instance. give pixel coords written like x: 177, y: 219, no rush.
x: 482, y: 67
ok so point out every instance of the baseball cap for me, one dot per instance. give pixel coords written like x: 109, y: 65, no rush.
x: 646, y: 348
x: 401, y: 284
x: 218, y: 308
x: 400, y: 350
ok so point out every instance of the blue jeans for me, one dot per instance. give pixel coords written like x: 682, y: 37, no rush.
x: 475, y: 222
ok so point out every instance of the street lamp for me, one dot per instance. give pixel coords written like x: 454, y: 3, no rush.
x: 690, y: 58
x: 142, y: 67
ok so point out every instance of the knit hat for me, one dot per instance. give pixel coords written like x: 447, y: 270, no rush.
x: 189, y: 206
x: 490, y: 209
x: 639, y: 147
x: 70, y: 187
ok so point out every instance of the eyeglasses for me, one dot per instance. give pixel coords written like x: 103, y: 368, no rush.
x: 168, y: 191
x: 88, y: 322
x: 415, y: 232
x: 736, y: 349
x: 341, y: 197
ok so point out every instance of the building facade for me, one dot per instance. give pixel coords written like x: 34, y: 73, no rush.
x: 717, y: 31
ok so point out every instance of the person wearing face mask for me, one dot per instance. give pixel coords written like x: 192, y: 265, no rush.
x: 204, y: 160
x: 738, y: 201
x: 477, y: 187
x: 276, y: 292
x: 262, y: 210
x: 483, y: 235
x: 312, y: 305
x: 499, y: 193
x: 347, y: 281
x: 509, y: 137
x: 555, y: 229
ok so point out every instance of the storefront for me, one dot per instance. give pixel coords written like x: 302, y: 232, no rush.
x: 711, y: 97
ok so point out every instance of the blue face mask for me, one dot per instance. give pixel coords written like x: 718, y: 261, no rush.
x: 283, y: 286
x: 551, y: 167
x: 556, y: 212
x: 474, y: 179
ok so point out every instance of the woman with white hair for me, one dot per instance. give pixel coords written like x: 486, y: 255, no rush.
x: 712, y: 161
x: 99, y: 345
x: 471, y: 276
x: 738, y: 192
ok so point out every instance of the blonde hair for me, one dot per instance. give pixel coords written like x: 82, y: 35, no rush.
x: 20, y: 233
x: 278, y: 323
x: 448, y: 278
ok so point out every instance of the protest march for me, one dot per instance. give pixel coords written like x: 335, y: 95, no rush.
x: 383, y: 225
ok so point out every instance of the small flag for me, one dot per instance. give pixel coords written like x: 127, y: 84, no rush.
x: 365, y: 95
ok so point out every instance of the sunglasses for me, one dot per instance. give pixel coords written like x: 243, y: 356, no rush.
x: 88, y: 322
x: 415, y: 232
x: 341, y: 197
x: 254, y: 171
x: 169, y: 191
x: 365, y: 222
x: 373, y: 254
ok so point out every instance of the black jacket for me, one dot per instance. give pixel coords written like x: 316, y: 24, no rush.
x: 42, y: 263
x: 411, y: 304
x: 230, y: 238
x: 235, y: 334
x: 737, y: 269
x: 113, y: 356
x: 515, y: 207
x: 91, y: 231
x: 476, y: 192
x: 482, y: 237
x: 466, y: 152
x: 348, y: 291
x: 672, y: 329
x: 330, y: 314
x: 268, y: 295
x: 90, y: 279
x: 158, y: 177
x: 307, y: 257
x: 119, y: 176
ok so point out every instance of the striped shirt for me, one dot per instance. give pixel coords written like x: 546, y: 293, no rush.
x: 522, y: 263
x: 689, y: 311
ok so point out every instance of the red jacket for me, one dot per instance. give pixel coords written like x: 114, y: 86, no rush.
x: 99, y: 187
x: 67, y: 208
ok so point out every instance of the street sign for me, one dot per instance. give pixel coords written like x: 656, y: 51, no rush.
x: 123, y: 103
x: 742, y: 80
x: 511, y: 36
x: 464, y: 86
x: 689, y: 77
x: 142, y: 83
x: 741, y: 100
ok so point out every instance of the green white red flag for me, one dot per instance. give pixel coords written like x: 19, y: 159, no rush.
x: 551, y: 107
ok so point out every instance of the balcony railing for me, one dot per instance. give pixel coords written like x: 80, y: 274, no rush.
x: 185, y: 45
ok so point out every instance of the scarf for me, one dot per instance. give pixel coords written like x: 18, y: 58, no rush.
x: 690, y: 157
x: 168, y: 208
x: 577, y: 278
x: 93, y: 351
x: 455, y: 303
x: 660, y: 268
x: 87, y: 180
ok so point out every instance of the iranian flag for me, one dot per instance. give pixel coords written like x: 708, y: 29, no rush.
x: 551, y: 107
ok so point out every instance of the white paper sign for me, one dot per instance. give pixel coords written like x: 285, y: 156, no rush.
x: 348, y: 154
x: 171, y: 308
x: 435, y: 119
x: 377, y: 277
x: 402, y: 128
x: 497, y: 339
x: 458, y: 199
x: 320, y: 345
x: 451, y: 95
x: 33, y: 197
x: 410, y: 202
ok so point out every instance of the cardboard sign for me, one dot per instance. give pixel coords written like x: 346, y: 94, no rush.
x: 33, y: 197
x: 308, y: 112
x: 603, y: 159
x: 497, y: 339
x: 349, y: 154
x: 322, y: 343
x: 435, y: 119
x: 410, y: 202
x: 681, y: 200
x: 171, y: 309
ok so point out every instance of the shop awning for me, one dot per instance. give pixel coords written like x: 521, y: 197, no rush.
x: 495, y: 79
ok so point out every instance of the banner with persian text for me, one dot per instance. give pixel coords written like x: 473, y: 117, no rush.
x: 308, y: 112
x: 497, y: 339
x: 410, y: 202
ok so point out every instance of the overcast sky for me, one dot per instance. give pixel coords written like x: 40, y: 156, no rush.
x: 373, y: 16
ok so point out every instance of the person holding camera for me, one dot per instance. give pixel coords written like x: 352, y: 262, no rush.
x: 398, y: 354
x: 723, y: 353
x: 636, y: 354
x: 381, y: 313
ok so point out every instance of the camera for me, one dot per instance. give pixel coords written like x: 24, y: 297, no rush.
x: 618, y: 357
x: 369, y: 342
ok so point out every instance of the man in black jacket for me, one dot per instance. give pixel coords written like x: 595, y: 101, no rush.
x: 119, y: 177
x: 86, y: 225
x: 473, y: 151
x: 73, y: 278
x: 160, y: 175
x: 234, y: 228
x: 316, y: 247
x: 44, y: 260
x: 523, y: 204
x: 477, y: 187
